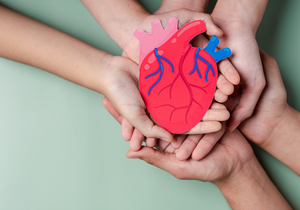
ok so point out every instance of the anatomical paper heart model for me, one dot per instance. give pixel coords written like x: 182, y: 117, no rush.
x: 177, y: 81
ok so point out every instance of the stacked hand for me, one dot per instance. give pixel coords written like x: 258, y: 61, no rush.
x: 134, y: 131
x: 229, y: 163
x: 225, y: 158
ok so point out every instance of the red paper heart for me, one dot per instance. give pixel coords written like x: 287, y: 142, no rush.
x: 177, y: 81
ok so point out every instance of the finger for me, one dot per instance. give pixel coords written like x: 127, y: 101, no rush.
x: 162, y: 145
x: 205, y: 127
x: 151, y: 142
x: 127, y: 130
x: 162, y: 160
x: 207, y: 143
x: 245, y: 107
x: 178, y: 140
x: 188, y: 146
x: 229, y: 72
x: 148, y: 128
x: 111, y: 109
x: 224, y: 85
x: 154, y: 157
x: 136, y: 140
x: 224, y: 66
x: 215, y: 105
x: 216, y: 115
x: 211, y: 28
x: 220, y: 97
x: 170, y: 149
x: 233, y: 99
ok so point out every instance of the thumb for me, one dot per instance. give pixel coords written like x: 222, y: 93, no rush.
x: 211, y: 28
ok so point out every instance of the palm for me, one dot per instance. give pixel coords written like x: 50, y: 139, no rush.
x: 122, y: 90
x: 240, y: 38
x: 226, y: 158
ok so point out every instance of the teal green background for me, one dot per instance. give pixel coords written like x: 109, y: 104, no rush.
x: 60, y: 149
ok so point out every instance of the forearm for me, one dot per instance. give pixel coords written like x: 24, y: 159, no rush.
x: 194, y: 5
x: 119, y: 18
x: 284, y: 141
x: 246, y: 12
x: 251, y: 188
x: 30, y: 42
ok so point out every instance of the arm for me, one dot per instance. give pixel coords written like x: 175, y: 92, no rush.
x: 28, y: 41
x: 33, y: 43
x: 119, y: 18
x: 274, y: 125
x: 284, y: 142
x: 251, y: 188
x: 247, y: 13
x: 239, y: 19
x: 231, y: 166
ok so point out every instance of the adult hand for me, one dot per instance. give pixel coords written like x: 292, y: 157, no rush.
x: 274, y: 126
x: 221, y: 164
x: 231, y: 166
x: 239, y: 21
x: 271, y: 108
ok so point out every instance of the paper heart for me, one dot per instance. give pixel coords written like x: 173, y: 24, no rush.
x: 177, y: 81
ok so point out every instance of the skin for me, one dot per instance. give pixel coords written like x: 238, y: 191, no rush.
x: 196, y: 146
x: 231, y: 166
x: 239, y: 26
x: 274, y: 125
x: 134, y: 16
x: 28, y: 41
x: 239, y: 19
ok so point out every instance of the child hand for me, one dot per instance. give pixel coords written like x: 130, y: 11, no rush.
x: 120, y: 85
x: 210, y: 124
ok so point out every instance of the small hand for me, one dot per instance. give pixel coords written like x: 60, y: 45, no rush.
x: 136, y: 138
x: 210, y: 124
x: 121, y: 88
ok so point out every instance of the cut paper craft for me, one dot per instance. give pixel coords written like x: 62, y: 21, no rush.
x: 177, y: 81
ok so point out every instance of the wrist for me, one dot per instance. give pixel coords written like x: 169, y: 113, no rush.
x: 251, y: 188
x: 284, y: 141
x: 117, y: 17
x: 236, y: 180
x: 241, y: 13
x: 282, y: 125
x: 100, y: 65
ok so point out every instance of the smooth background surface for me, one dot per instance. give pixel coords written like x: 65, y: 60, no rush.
x: 60, y: 149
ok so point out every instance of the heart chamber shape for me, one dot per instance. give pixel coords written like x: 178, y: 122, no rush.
x: 177, y: 81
